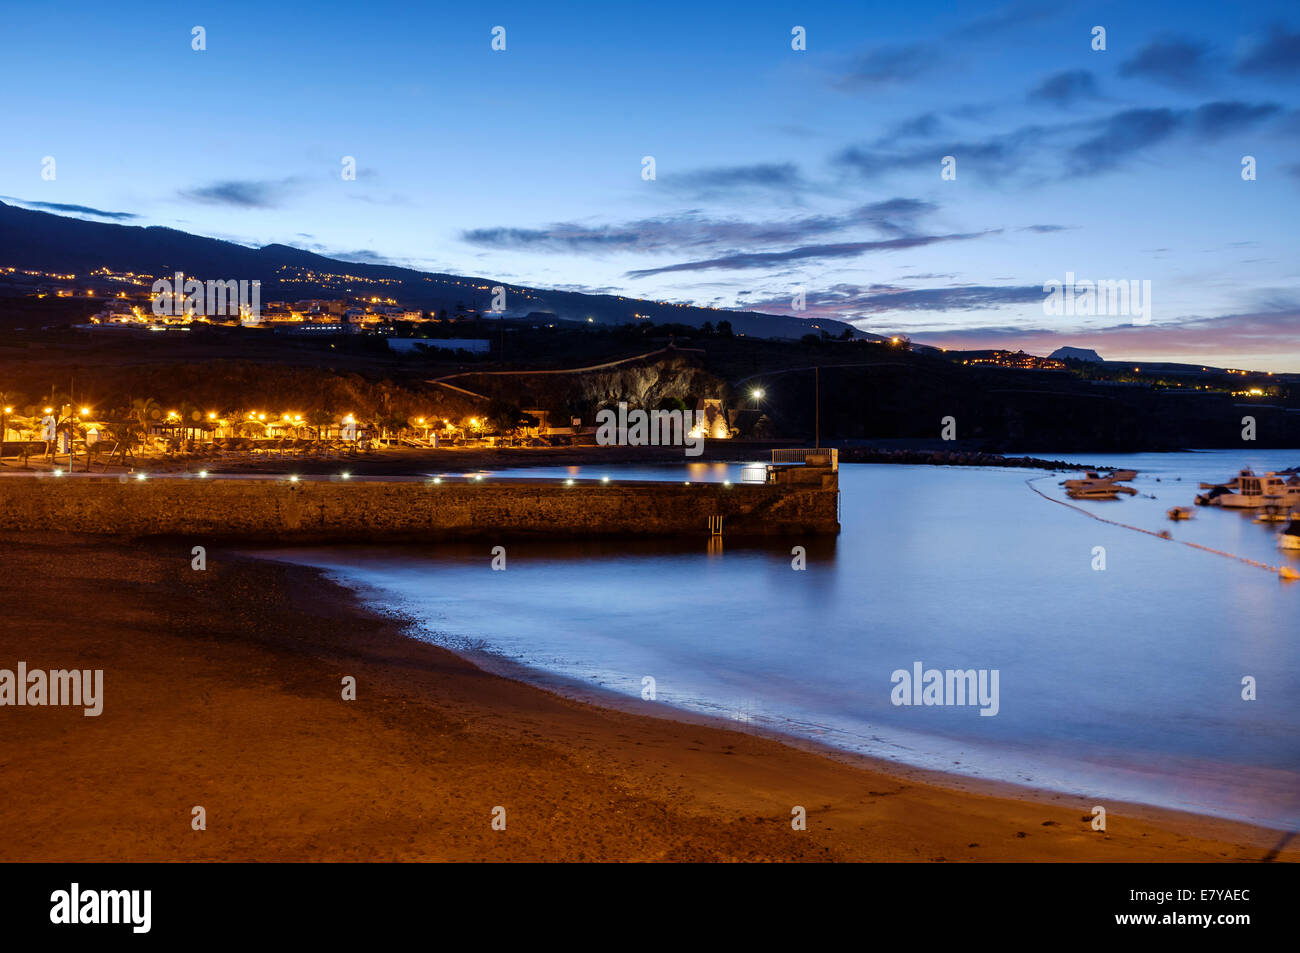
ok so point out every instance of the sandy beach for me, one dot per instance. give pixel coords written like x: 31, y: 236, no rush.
x: 222, y: 688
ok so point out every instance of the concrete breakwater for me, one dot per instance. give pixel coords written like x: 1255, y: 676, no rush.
x: 413, y: 510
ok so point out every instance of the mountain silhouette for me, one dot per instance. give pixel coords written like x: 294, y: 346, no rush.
x: 56, y: 243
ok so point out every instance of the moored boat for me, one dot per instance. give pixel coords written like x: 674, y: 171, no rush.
x: 1254, y: 491
x: 1179, y: 513
x: 1096, y: 487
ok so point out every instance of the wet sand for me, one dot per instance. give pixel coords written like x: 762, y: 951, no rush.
x: 223, y: 689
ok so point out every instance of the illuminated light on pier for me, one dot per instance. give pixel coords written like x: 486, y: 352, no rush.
x: 345, y: 475
x: 58, y: 473
x: 140, y: 476
x: 203, y: 474
x: 293, y: 478
x: 604, y: 479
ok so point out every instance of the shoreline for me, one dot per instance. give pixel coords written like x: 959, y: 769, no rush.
x: 222, y: 690
x: 575, y: 689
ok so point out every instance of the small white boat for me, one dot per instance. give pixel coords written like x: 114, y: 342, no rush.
x: 1179, y: 513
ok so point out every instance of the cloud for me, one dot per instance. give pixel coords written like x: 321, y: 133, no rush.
x: 887, y: 65
x: 995, y: 157
x: 1277, y: 56
x: 74, y: 209
x: 1122, y: 135
x: 241, y: 193
x: 365, y: 256
x: 783, y: 175
x: 1174, y: 62
x: 1127, y: 133
x: 924, y: 126
x: 847, y: 300
x: 1066, y: 88
x: 746, y: 260
x: 1215, y: 120
x: 1008, y: 18
x: 894, y: 217
x: 1089, y: 146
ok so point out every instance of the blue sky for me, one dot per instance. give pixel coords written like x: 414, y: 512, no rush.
x: 775, y: 169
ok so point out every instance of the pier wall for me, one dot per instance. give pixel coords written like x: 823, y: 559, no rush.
x: 363, y: 511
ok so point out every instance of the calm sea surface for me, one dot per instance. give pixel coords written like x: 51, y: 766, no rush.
x: 1122, y: 683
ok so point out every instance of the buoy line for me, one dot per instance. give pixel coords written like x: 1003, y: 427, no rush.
x: 1286, y: 572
